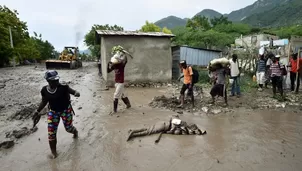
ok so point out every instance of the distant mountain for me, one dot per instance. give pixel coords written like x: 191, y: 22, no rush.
x: 209, y: 13
x: 171, y: 22
x: 259, y: 6
x: 261, y: 13
x: 283, y: 14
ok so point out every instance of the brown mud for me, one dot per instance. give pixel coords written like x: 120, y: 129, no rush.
x: 245, y: 138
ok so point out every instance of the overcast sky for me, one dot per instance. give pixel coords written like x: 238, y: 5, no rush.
x: 59, y: 20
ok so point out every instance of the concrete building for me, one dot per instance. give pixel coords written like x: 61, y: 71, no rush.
x: 193, y: 56
x: 254, y: 40
x: 152, y: 57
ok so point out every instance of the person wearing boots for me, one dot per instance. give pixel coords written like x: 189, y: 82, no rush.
x: 119, y: 69
x: 57, y: 96
x: 188, y: 84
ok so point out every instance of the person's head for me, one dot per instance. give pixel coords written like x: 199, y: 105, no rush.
x: 183, y: 64
x: 234, y: 57
x: 295, y: 56
x: 261, y: 57
x: 52, y: 78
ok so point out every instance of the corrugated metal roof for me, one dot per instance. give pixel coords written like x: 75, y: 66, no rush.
x: 198, y: 57
x: 132, y: 33
x: 198, y: 48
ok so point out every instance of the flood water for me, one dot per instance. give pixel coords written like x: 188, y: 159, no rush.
x: 243, y: 140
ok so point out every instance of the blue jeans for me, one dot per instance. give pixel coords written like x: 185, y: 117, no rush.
x: 235, y: 86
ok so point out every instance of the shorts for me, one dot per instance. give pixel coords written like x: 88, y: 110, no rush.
x: 119, y: 91
x: 260, y: 77
x: 185, y: 87
x: 218, y: 90
x: 53, y: 119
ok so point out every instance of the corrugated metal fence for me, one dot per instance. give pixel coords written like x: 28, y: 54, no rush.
x: 197, y: 56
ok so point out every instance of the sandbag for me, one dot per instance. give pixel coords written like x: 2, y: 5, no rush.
x: 223, y: 61
x: 118, y: 57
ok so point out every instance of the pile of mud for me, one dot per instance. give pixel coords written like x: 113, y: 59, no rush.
x: 17, y: 134
x: 25, y: 113
x: 172, y: 103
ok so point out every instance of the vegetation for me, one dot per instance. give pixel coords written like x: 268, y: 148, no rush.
x: 25, y: 46
x: 151, y: 27
x: 90, y: 37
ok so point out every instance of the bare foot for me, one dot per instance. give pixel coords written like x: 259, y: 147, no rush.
x: 53, y: 156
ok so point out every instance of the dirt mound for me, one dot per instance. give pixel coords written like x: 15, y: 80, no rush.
x: 164, y: 102
x: 25, y: 113
x: 20, y: 133
x: 7, y: 144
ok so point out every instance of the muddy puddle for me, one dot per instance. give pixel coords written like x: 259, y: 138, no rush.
x: 244, y: 139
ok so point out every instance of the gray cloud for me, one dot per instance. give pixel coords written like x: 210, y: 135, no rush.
x: 65, y: 22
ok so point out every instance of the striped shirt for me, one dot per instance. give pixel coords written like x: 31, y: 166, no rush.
x: 276, y: 69
x: 261, y: 65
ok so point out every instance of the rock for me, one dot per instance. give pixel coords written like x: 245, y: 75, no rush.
x: 180, y: 112
x: 7, y: 144
x: 169, y: 85
x: 2, y: 107
x: 216, y: 111
x: 79, y: 108
x: 205, y: 109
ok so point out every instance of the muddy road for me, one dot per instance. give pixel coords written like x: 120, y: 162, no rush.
x: 241, y: 139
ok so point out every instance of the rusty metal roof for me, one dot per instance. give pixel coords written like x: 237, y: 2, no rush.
x: 132, y: 33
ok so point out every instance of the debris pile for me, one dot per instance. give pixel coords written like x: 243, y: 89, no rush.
x: 25, y: 113
x: 20, y: 133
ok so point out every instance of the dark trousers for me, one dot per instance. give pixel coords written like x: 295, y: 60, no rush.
x: 100, y: 68
x: 277, y: 82
x: 293, y: 80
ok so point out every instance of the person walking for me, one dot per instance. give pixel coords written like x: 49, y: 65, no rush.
x: 276, y: 70
x: 260, y: 74
x: 235, y: 75
x: 119, y: 69
x: 57, y: 96
x: 188, y: 83
x: 295, y: 70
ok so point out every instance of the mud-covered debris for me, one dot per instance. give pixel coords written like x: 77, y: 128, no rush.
x: 216, y: 111
x: 20, y: 133
x: 7, y: 144
x: 79, y: 108
x: 2, y: 85
x: 2, y: 107
x: 180, y: 112
x: 205, y: 109
x: 24, y: 113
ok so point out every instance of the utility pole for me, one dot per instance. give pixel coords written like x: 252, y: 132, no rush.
x: 12, y: 44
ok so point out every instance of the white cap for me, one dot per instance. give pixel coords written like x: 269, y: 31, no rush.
x: 277, y: 56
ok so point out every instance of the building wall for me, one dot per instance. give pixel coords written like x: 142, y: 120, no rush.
x: 254, y: 40
x: 152, y: 58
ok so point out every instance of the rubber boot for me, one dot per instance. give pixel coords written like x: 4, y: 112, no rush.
x: 182, y: 101
x: 53, y: 148
x: 127, y: 102
x: 115, y: 104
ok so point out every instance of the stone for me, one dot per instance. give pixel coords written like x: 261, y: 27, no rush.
x: 205, y: 109
x: 7, y: 144
x: 216, y: 111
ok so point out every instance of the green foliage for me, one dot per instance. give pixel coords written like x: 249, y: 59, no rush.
x: 166, y: 30
x: 222, y: 20
x: 90, y: 37
x: 25, y: 47
x: 150, y: 27
x: 199, y: 23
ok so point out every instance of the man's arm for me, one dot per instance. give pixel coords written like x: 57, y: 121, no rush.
x: 43, y: 103
x: 191, y: 74
x: 110, y: 67
x: 73, y: 92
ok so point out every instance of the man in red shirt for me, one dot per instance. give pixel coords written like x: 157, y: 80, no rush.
x: 119, y: 69
x: 293, y: 63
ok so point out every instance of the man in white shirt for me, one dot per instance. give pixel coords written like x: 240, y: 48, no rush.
x: 235, y: 75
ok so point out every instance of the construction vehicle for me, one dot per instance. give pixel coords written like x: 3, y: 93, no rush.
x: 69, y: 58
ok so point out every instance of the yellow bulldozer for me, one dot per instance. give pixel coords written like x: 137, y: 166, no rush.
x: 69, y: 59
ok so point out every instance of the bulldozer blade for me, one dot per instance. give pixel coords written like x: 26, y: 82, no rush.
x: 58, y: 65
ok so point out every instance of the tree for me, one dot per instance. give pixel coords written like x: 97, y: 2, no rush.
x: 199, y: 22
x: 220, y: 20
x: 166, y: 30
x: 90, y: 37
x: 9, y: 18
x: 150, y: 27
